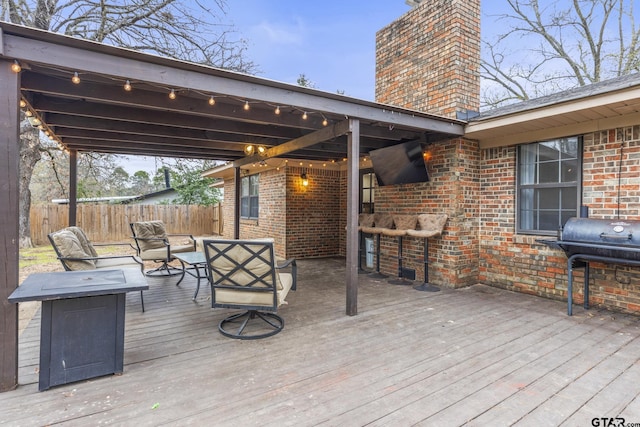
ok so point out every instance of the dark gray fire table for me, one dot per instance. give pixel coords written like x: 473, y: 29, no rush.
x: 82, y: 326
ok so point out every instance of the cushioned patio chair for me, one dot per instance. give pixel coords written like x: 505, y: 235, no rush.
x: 244, y: 275
x: 76, y: 252
x: 154, y: 244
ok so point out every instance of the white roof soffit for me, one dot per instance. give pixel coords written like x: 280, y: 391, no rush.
x: 573, y: 117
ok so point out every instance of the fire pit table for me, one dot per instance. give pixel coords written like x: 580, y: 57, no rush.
x: 82, y: 326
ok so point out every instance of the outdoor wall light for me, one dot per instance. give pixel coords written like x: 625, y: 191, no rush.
x: 249, y: 149
x: 15, y: 67
x: 305, y: 180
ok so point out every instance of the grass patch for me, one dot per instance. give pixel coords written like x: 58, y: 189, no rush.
x: 37, y: 256
x: 42, y: 255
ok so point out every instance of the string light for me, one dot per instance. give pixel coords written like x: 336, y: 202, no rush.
x: 246, y: 106
x: 127, y: 86
x: 172, y: 94
x: 277, y: 110
x: 212, y: 101
x: 28, y: 113
x: 304, y: 116
x: 324, y: 121
x: 15, y: 67
x: 23, y: 103
x: 262, y: 150
x: 248, y: 149
x: 76, y: 78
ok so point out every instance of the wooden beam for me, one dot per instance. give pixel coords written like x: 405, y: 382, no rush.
x: 236, y: 204
x: 9, y: 236
x: 305, y: 141
x: 353, y: 186
x: 73, y: 187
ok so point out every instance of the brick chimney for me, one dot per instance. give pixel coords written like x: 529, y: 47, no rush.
x: 429, y: 59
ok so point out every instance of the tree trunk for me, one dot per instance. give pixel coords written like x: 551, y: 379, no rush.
x: 29, y: 156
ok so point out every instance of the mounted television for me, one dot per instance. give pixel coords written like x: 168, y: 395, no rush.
x: 399, y: 164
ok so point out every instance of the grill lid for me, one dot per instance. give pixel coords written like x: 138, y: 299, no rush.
x: 605, y: 231
x: 612, y: 239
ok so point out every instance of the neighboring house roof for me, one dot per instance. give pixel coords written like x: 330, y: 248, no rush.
x: 111, y: 199
x: 164, y: 194
x: 600, y: 106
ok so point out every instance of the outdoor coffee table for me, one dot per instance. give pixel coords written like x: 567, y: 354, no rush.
x: 82, y: 325
x: 197, y: 266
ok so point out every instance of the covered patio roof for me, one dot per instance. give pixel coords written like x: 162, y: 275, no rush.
x: 98, y: 114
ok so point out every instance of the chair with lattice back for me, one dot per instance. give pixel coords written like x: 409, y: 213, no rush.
x: 243, y: 274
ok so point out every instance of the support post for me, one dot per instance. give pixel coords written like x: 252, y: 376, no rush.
x: 9, y: 194
x: 73, y: 187
x: 353, y: 159
x: 236, y: 204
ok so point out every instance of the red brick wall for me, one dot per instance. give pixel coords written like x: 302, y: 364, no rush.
x: 313, y: 213
x: 429, y: 59
x: 272, y: 214
x: 453, y: 189
x: 304, y: 221
x: 517, y: 262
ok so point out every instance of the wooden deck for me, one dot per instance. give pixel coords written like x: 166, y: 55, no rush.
x: 475, y: 356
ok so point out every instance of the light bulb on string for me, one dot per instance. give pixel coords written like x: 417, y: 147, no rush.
x: 324, y: 121
x: 15, y: 67
x: 304, y: 116
x: 76, y: 78
x: 212, y: 101
x: 127, y: 86
x: 172, y: 94
x: 277, y: 111
x: 246, y: 106
x: 23, y: 103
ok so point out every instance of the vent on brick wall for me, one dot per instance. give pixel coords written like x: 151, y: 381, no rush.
x: 409, y: 273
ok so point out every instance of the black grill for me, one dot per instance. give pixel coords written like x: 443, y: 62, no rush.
x: 612, y: 241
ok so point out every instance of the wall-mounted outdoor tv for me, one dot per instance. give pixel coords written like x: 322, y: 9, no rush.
x: 399, y: 164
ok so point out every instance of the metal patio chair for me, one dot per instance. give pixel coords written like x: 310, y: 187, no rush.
x: 76, y: 252
x: 243, y: 274
x: 154, y: 244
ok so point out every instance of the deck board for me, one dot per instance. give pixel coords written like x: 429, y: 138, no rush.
x: 473, y: 356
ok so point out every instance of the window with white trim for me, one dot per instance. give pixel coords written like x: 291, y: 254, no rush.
x: 249, y: 207
x: 548, y: 184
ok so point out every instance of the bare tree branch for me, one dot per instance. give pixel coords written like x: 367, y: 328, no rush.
x: 559, y: 45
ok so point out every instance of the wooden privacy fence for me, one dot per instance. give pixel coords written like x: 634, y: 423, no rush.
x: 110, y: 223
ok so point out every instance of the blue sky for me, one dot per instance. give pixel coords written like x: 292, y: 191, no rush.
x: 331, y: 42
